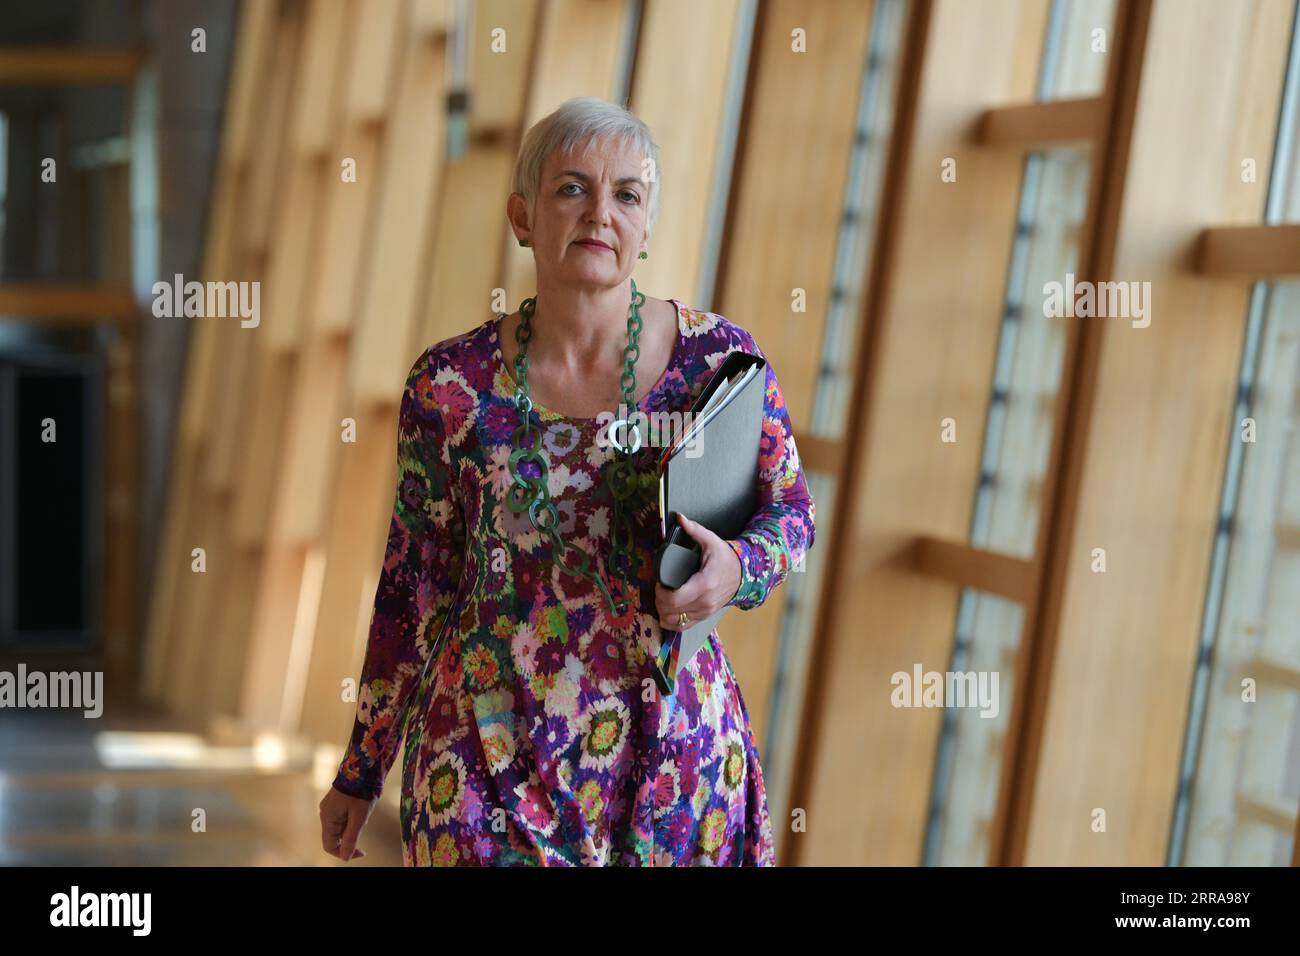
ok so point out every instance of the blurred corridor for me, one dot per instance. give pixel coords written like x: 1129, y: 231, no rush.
x: 123, y: 791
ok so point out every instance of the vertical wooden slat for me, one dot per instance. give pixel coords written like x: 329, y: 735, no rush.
x: 414, y: 152
x: 375, y: 30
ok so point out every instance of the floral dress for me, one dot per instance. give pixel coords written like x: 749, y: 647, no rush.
x: 535, y: 732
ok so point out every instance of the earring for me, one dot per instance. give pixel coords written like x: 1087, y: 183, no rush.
x: 523, y: 242
x: 644, y: 254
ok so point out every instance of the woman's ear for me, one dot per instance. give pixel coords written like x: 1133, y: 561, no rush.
x: 517, y: 216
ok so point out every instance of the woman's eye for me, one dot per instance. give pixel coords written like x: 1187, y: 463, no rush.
x: 630, y: 195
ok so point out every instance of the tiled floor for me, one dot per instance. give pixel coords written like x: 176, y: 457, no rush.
x: 107, y: 792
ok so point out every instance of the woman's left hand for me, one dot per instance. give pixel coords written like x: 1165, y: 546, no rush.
x: 708, y: 589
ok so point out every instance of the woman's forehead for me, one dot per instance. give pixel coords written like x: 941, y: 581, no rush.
x: 594, y: 154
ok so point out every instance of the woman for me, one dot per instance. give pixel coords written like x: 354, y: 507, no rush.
x: 519, y: 560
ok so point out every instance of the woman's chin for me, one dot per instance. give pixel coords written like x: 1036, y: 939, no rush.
x: 588, y: 276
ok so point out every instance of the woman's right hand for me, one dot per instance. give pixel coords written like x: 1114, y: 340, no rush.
x: 341, y: 820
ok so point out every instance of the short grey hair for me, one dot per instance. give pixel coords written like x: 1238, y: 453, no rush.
x: 584, y: 120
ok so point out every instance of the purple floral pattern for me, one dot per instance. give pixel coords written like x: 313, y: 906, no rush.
x: 535, y: 733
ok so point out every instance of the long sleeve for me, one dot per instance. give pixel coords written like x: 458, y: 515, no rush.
x: 782, y: 529
x: 417, y: 586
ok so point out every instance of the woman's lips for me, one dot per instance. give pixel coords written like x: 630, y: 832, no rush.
x: 598, y: 247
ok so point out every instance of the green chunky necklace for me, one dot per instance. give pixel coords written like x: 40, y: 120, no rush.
x: 619, y: 473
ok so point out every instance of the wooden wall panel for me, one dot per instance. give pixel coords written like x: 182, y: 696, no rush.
x: 326, y: 61
x: 313, y: 442
x: 376, y: 27
x: 265, y: 176
x: 266, y: 169
x: 356, y: 524
x: 867, y: 792
x: 430, y: 19
x: 498, y: 80
x: 791, y: 177
x: 680, y: 91
x: 332, y: 300
x: 1155, y: 453
x: 464, y: 260
x: 413, y: 157
x: 790, y: 181
x: 294, y: 429
x: 319, y: 87
x: 283, y: 317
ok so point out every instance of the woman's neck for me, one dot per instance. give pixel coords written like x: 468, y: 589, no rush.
x: 580, y: 328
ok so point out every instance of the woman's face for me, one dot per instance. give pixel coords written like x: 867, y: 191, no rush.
x: 601, y: 196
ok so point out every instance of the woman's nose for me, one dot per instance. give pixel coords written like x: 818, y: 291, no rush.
x: 598, y: 208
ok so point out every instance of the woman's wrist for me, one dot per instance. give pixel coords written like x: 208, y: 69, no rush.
x: 738, y: 549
